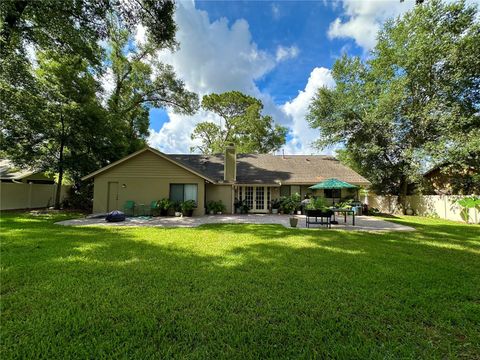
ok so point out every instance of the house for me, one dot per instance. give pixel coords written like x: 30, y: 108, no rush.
x: 149, y: 174
x: 23, y: 188
x: 445, y: 179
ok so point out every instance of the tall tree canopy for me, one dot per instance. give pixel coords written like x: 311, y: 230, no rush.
x: 140, y: 82
x: 52, y: 60
x: 416, y: 99
x: 241, y: 123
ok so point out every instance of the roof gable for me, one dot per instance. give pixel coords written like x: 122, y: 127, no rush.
x: 135, y: 154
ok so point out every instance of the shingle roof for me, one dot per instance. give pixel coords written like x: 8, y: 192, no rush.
x: 8, y: 171
x: 270, y: 169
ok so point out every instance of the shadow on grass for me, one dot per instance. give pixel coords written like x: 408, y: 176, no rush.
x: 240, y: 291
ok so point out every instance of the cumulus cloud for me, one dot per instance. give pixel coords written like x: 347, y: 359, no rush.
x: 213, y: 57
x: 216, y: 56
x: 285, y: 53
x: 297, y: 109
x: 361, y: 20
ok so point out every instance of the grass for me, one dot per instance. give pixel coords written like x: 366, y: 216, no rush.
x: 238, y: 291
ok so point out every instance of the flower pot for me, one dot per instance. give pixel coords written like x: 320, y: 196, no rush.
x: 409, y: 211
x: 274, y: 211
x: 178, y: 213
x: 188, y: 213
x: 299, y: 212
x: 163, y: 212
x: 211, y: 212
x: 219, y: 213
x: 293, y: 222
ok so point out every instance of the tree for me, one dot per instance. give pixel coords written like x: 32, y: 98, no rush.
x: 242, y: 124
x: 61, y: 119
x: 416, y: 99
x: 140, y: 83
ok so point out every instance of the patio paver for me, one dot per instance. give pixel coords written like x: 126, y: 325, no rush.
x: 362, y: 223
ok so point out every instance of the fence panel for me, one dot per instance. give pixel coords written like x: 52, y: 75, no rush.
x: 28, y: 196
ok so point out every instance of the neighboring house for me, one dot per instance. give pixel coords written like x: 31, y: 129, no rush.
x: 442, y: 180
x: 24, y: 188
x: 149, y: 174
x: 9, y: 173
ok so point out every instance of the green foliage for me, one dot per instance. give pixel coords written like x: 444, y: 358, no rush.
x: 215, y: 206
x: 276, y: 203
x: 289, y: 293
x: 188, y: 205
x: 164, y: 204
x: 291, y: 203
x: 317, y: 203
x: 414, y: 99
x: 242, y: 124
x: 467, y: 203
x: 140, y: 82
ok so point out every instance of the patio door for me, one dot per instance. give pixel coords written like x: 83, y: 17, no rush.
x: 112, y: 199
x: 256, y: 197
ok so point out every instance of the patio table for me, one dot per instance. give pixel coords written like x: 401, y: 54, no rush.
x: 345, y: 212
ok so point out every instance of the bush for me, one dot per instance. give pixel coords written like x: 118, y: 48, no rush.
x: 215, y: 206
x: 164, y: 204
x: 318, y: 203
x: 80, y: 197
x: 291, y: 203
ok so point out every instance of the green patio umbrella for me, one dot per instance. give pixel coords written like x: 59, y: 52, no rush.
x: 332, y: 184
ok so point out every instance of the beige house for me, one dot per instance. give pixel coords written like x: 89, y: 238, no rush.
x: 149, y: 174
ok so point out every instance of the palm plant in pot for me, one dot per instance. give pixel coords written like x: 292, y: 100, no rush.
x: 164, y: 205
x: 289, y: 205
x: 219, y: 207
x: 177, y: 207
x: 275, y: 204
x: 187, y: 207
x: 211, y: 207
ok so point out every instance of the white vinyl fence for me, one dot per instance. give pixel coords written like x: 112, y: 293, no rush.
x: 441, y: 206
x: 29, y: 196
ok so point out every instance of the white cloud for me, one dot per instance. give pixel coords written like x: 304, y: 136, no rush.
x: 213, y: 57
x: 275, y: 11
x: 140, y: 35
x: 361, y: 20
x: 297, y: 109
x: 218, y: 57
x: 285, y: 53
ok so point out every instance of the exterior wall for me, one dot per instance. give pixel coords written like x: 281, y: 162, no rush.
x: 28, y: 196
x: 220, y: 192
x: 144, y: 178
x: 441, y: 206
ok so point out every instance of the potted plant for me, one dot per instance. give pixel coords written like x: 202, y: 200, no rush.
x: 291, y: 203
x: 177, y: 207
x: 275, y: 205
x: 164, y: 205
x: 244, y: 208
x: 293, y: 221
x: 187, y: 207
x: 219, y: 207
x: 211, y: 207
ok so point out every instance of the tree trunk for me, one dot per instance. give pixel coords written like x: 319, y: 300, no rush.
x: 58, y: 191
x: 403, y: 193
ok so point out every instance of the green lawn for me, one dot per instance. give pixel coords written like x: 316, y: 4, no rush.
x: 238, y: 291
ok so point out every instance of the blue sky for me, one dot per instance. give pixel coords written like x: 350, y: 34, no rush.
x: 280, y: 52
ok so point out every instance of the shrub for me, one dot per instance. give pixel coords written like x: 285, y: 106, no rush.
x: 318, y: 203
x: 291, y: 203
x: 164, y: 204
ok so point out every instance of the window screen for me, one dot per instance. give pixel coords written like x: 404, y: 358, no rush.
x: 332, y: 193
x: 285, y: 190
x: 183, y: 192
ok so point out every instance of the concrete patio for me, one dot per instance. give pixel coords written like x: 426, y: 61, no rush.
x: 362, y: 223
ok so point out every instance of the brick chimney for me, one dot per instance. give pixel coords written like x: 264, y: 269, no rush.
x: 230, y: 164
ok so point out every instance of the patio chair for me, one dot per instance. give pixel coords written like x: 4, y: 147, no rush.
x: 154, y: 208
x: 129, y: 207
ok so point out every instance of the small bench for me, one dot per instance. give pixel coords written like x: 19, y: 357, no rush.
x: 313, y: 216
